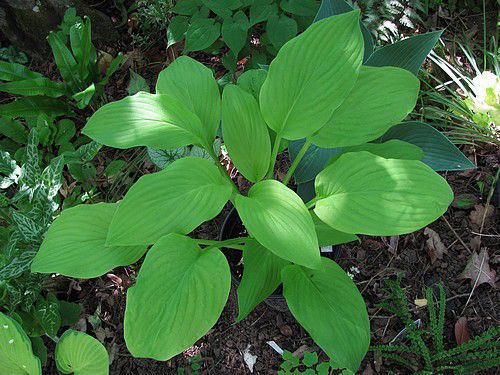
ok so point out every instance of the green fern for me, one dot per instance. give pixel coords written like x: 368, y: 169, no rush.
x: 477, y: 354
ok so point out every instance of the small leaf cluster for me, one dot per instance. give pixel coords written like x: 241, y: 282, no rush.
x: 83, y: 79
x: 211, y: 24
x: 308, y: 365
x: 477, y: 354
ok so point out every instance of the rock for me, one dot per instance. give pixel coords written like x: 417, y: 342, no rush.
x: 27, y: 23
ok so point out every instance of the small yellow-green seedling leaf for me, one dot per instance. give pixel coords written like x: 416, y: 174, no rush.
x: 80, y: 354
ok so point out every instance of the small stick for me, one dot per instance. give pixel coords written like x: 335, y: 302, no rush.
x: 456, y: 235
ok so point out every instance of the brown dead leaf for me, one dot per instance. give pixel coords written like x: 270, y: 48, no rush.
x: 462, y: 331
x: 475, y: 243
x: 478, y: 268
x: 479, y: 214
x: 435, y: 247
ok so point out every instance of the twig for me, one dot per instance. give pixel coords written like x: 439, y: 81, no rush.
x: 456, y: 235
x: 474, y: 286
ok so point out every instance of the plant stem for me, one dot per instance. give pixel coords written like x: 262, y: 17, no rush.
x: 211, y: 152
x: 312, y: 202
x: 274, y: 153
x: 296, y: 161
x: 233, y: 243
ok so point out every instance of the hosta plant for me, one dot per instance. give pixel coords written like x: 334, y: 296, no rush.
x: 316, y: 88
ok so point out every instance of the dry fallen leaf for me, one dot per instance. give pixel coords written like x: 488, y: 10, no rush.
x: 461, y: 331
x: 249, y: 358
x: 435, y: 247
x: 421, y: 302
x: 478, y: 268
x: 479, y: 214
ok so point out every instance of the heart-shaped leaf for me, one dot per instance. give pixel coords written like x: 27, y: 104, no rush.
x: 311, y: 76
x: 179, y: 295
x: 329, y: 306
x: 80, y: 234
x: 175, y: 200
x: 81, y: 354
x: 367, y: 194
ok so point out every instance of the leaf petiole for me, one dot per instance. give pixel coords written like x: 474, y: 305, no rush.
x: 296, y: 161
x: 274, y: 153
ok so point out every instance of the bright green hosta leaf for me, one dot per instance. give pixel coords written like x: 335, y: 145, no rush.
x: 329, y: 8
x: 16, y: 72
x: 409, y: 53
x: 16, y: 353
x: 381, y: 98
x: 79, y: 233
x: 328, y: 236
x: 201, y: 34
x: 261, y: 277
x: 329, y: 306
x: 35, y: 86
x: 311, y: 76
x: 439, y: 153
x: 393, y: 149
x: 280, y: 29
x: 279, y: 220
x: 81, y: 354
x: 367, y: 194
x: 144, y: 119
x: 177, y: 27
x: 179, y: 295
x: 194, y: 85
x: 245, y: 133
x: 234, y: 32
x: 252, y: 80
x: 175, y: 200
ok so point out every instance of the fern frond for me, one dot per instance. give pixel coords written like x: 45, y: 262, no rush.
x: 440, y: 325
x: 399, y: 359
x: 391, y: 348
x: 477, y: 366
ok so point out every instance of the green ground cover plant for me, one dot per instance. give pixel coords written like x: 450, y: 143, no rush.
x: 76, y: 352
x: 417, y: 355
x: 316, y: 91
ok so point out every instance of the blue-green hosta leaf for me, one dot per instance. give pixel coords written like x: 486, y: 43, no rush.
x: 261, y: 276
x: 280, y: 29
x: 144, y: 119
x: 193, y: 84
x: 439, y: 153
x: 33, y: 106
x: 367, y: 194
x: 393, y: 149
x: 81, y: 354
x: 234, y: 32
x: 409, y: 53
x: 35, y: 86
x: 175, y: 200
x: 16, y: 353
x: 252, y: 80
x: 245, y: 133
x: 80, y: 234
x: 311, y: 76
x: 328, y: 305
x: 201, y: 34
x: 16, y: 72
x: 279, y: 220
x: 364, y: 115
x: 313, y: 161
x: 179, y: 295
x: 327, y: 236
x: 330, y: 8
